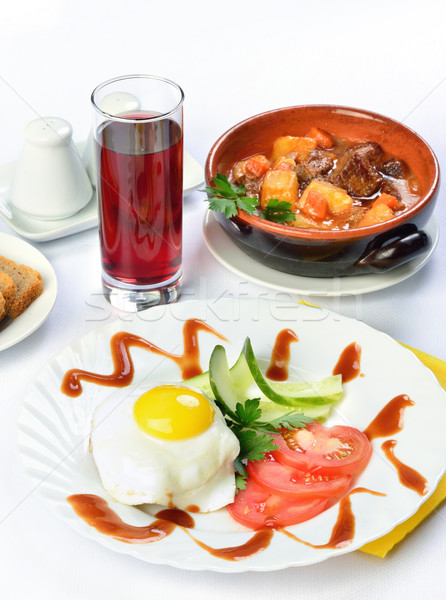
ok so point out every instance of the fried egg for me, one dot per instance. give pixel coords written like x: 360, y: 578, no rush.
x: 165, y: 445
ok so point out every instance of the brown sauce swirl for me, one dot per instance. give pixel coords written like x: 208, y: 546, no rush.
x: 349, y: 363
x: 257, y: 543
x: 177, y: 516
x: 122, y: 375
x: 390, y: 420
x: 343, y: 531
x: 407, y: 476
x: 280, y: 357
x: 95, y: 511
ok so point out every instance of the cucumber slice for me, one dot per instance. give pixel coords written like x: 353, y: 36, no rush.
x: 306, y: 395
x: 240, y: 374
x: 227, y: 396
x: 222, y: 383
x: 271, y: 410
x: 202, y: 383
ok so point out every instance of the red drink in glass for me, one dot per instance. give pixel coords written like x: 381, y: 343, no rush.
x: 140, y: 191
x: 138, y: 133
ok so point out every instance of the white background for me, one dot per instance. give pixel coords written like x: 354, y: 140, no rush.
x: 233, y: 59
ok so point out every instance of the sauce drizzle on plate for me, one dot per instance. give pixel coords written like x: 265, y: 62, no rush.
x: 95, y: 511
x: 280, y: 357
x: 390, y: 420
x: 189, y: 361
x: 407, y: 476
x: 349, y: 363
x: 343, y: 531
x: 257, y: 543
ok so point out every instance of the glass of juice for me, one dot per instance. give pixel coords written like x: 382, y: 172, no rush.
x: 138, y: 138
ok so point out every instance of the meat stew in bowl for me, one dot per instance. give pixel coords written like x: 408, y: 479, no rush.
x: 331, y: 183
x: 271, y: 236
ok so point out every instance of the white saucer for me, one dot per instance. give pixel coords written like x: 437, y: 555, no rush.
x: 234, y: 259
x: 41, y: 231
x: 15, y: 330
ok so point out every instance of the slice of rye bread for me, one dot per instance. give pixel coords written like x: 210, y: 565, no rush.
x: 2, y: 307
x: 29, y: 285
x: 8, y: 289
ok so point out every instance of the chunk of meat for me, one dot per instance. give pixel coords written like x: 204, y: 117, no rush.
x: 389, y: 187
x: 318, y: 164
x: 356, y: 173
x: 394, y: 168
x: 241, y: 177
x: 369, y: 150
x: 282, y: 185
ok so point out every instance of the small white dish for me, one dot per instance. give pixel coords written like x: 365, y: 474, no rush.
x: 13, y: 331
x: 234, y: 259
x: 53, y: 429
x: 43, y: 231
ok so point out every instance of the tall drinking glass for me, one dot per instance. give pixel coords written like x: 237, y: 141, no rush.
x: 139, y: 163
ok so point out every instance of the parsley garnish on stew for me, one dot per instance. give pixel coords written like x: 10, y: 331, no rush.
x: 278, y: 211
x: 229, y: 198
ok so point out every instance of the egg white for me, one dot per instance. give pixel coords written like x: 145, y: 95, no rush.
x: 136, y: 468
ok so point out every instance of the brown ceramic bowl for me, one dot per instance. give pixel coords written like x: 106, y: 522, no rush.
x: 316, y: 253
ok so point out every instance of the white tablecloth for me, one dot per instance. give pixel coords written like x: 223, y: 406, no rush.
x: 233, y: 59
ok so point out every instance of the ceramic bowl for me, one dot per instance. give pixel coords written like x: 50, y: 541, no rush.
x: 315, y: 253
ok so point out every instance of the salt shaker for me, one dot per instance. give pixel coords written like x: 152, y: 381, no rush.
x: 50, y: 182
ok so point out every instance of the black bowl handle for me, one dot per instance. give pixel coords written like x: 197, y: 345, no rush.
x: 391, y: 250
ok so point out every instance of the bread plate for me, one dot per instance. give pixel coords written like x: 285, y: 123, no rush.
x: 13, y: 331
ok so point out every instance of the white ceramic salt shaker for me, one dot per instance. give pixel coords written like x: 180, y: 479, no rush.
x: 114, y: 104
x: 50, y: 182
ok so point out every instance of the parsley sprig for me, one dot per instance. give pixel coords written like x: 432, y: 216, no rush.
x: 252, y: 433
x: 228, y: 198
x: 278, y: 211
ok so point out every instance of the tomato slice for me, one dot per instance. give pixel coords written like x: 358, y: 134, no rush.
x: 256, y: 508
x: 282, y: 480
x: 317, y: 449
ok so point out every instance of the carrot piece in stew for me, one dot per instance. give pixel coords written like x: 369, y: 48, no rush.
x: 315, y: 206
x: 284, y: 164
x: 257, y: 165
x: 377, y: 213
x: 323, y: 138
x: 389, y: 200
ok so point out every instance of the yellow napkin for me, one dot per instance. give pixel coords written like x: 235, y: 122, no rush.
x: 383, y: 545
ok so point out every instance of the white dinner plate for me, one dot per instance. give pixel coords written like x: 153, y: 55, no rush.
x: 54, y: 429
x: 40, y: 230
x: 15, y: 330
x: 234, y: 259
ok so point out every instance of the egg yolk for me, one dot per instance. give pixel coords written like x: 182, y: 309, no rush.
x: 171, y: 412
